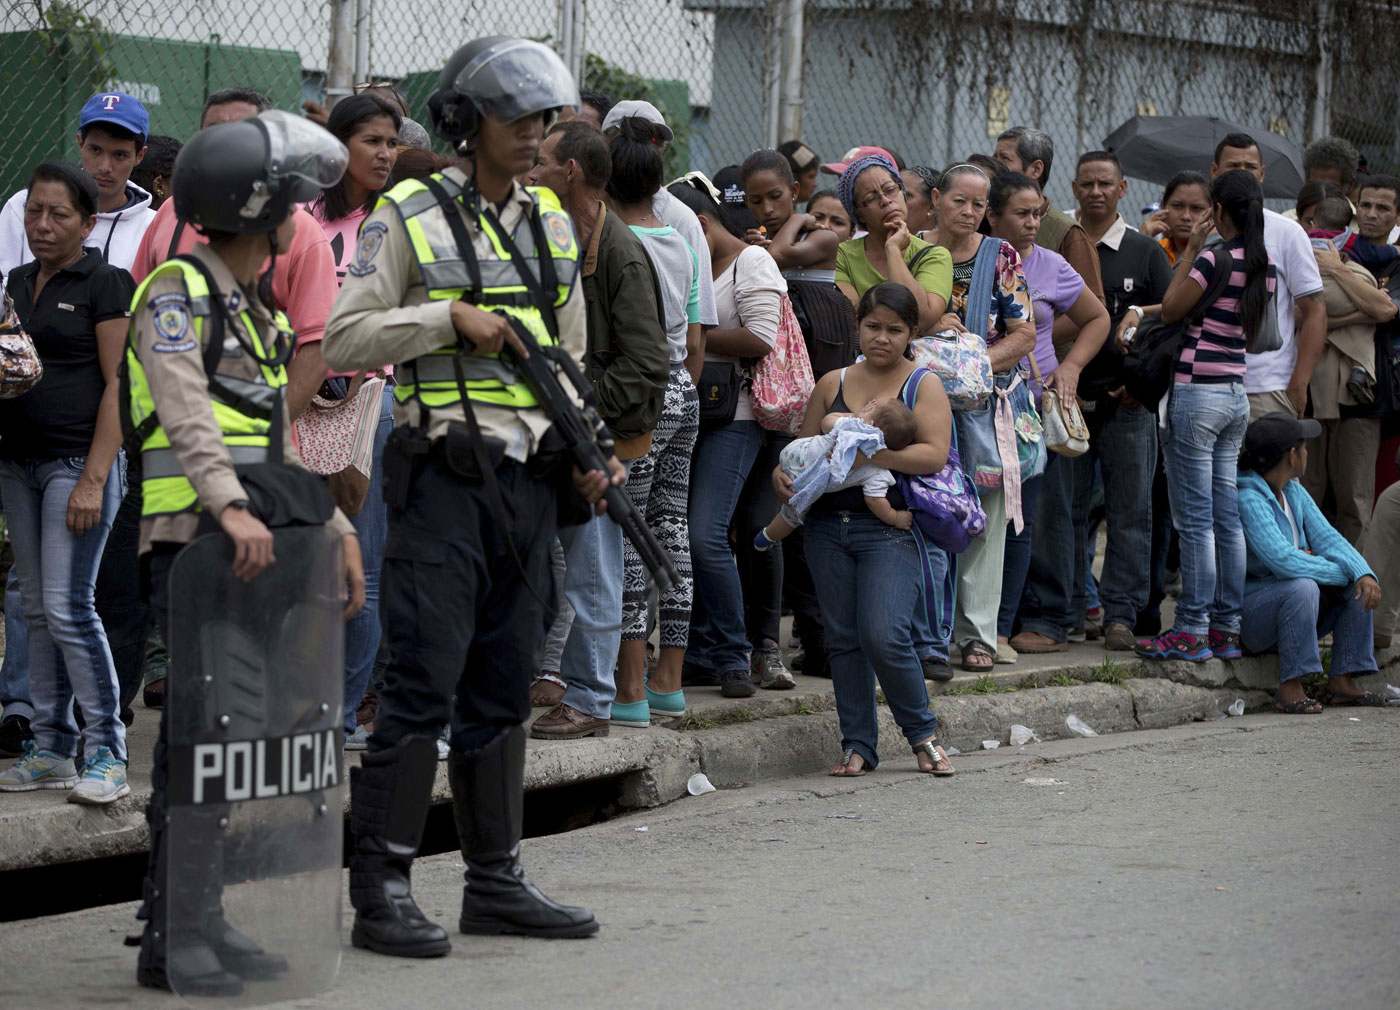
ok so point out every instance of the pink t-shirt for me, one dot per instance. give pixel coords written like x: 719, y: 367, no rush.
x: 1053, y: 286
x: 343, y: 235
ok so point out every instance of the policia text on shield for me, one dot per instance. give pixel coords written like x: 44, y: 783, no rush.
x: 242, y: 555
x: 450, y: 272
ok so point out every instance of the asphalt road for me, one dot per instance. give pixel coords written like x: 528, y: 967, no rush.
x: 1245, y: 863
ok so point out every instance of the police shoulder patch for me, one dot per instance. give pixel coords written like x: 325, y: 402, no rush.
x: 560, y: 231
x: 171, y: 318
x: 371, y: 241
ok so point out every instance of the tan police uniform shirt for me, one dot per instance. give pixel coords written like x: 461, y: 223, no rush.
x: 384, y: 316
x: 173, y: 358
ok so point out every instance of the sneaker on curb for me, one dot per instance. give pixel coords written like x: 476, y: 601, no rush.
x: 636, y: 714
x: 38, y: 769
x: 1118, y: 637
x: 766, y: 667
x: 1175, y: 645
x: 358, y: 740
x: 665, y: 705
x: 1225, y: 644
x: 695, y: 675
x: 14, y: 733
x: 936, y: 668
x: 103, y: 780
x: 1079, y: 634
x: 737, y: 684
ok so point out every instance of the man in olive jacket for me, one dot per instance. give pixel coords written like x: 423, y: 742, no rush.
x: 628, y: 362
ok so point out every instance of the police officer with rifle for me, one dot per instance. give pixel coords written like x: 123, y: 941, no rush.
x: 468, y: 282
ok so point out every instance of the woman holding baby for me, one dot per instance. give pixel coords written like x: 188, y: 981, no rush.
x: 864, y: 560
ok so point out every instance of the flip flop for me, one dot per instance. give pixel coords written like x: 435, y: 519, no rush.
x: 977, y: 649
x: 936, y: 755
x: 1366, y: 699
x: 1308, y: 706
x: 846, y: 772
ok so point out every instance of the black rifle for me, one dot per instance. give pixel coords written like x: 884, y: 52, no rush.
x: 586, y: 438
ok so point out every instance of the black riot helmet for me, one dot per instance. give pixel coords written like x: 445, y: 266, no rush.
x: 244, y: 177
x: 498, y: 76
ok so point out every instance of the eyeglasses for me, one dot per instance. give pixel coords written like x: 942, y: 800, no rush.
x: 887, y: 192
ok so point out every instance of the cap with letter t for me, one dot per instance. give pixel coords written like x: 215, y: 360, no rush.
x: 118, y: 109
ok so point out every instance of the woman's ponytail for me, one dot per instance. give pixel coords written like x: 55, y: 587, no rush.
x: 1240, y: 196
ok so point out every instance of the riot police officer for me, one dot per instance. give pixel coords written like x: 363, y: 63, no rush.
x: 445, y: 267
x: 204, y: 377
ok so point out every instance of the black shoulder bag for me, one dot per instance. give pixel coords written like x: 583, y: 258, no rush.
x: 1149, y: 366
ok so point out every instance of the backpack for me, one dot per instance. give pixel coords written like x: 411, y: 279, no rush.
x: 828, y: 324
x: 782, y: 379
x: 944, y: 505
x: 1149, y: 367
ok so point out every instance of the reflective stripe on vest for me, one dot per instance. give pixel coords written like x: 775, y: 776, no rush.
x: 431, y: 378
x: 164, y: 486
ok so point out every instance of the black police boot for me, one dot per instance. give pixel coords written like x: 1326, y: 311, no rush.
x: 174, y: 952
x: 389, y: 796
x: 488, y: 802
x: 235, y: 951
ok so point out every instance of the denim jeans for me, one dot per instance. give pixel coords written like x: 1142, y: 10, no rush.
x: 15, y: 698
x: 1287, y: 617
x: 721, y: 464
x: 372, y: 525
x: 593, y: 589
x: 552, y: 653
x: 1017, y: 556
x: 1206, y: 424
x: 1124, y: 445
x: 69, y: 658
x: 761, y: 572
x: 867, y: 577
x: 930, y: 641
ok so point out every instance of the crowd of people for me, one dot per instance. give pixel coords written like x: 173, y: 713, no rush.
x: 1246, y: 487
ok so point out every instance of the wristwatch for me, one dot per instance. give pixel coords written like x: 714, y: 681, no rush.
x: 238, y: 503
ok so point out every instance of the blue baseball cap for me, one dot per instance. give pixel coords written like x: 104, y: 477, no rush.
x: 117, y: 108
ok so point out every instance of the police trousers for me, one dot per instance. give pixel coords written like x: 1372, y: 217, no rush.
x: 464, y: 621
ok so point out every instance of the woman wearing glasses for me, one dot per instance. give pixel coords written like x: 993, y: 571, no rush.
x: 872, y: 193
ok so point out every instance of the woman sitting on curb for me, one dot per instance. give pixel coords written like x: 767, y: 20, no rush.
x: 1303, y: 579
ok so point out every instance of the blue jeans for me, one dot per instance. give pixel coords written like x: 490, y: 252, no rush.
x: 929, y: 641
x: 1206, y: 424
x: 867, y: 578
x: 1286, y: 617
x: 593, y: 587
x: 372, y: 525
x: 1016, y: 556
x: 14, y: 672
x: 68, y: 653
x: 1124, y: 445
x: 721, y: 464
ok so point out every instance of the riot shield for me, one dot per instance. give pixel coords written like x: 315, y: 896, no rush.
x: 254, y: 705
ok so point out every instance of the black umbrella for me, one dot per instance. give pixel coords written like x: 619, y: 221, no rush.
x: 1157, y: 147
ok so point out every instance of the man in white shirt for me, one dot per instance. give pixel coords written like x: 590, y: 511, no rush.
x: 668, y: 209
x: 112, y: 131
x: 1278, y: 380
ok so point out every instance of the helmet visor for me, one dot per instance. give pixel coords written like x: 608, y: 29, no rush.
x: 303, y: 157
x: 517, y: 78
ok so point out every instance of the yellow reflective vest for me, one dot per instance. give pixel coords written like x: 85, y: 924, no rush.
x: 243, y: 408
x: 431, y: 378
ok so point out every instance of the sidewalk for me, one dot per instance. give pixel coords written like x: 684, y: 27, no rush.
x: 741, y: 741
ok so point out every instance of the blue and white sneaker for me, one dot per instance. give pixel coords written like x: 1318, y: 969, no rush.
x: 103, y: 781
x: 38, y: 769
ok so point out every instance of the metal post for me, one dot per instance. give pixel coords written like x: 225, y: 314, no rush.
x: 362, y: 16
x: 564, y: 33
x: 790, y: 97
x: 772, y: 69
x: 573, y: 17
x: 578, y: 64
x: 1320, y: 115
x: 340, y: 59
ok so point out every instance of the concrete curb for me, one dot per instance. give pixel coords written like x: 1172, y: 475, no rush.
x: 739, y: 744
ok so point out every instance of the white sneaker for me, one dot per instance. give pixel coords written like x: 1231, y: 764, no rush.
x: 103, y: 781
x: 38, y: 769
x: 358, y: 740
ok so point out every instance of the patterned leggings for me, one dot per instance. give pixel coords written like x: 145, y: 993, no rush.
x: 659, y: 486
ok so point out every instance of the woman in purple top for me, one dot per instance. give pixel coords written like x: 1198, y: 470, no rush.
x: 1057, y: 292
x: 1206, y: 415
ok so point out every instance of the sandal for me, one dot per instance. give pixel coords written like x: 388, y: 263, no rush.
x: 1366, y: 699
x: 1307, y: 706
x: 845, y: 770
x: 540, y: 695
x: 984, y: 660
x: 942, y: 766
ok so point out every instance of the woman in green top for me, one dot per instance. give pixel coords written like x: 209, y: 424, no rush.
x: 872, y: 193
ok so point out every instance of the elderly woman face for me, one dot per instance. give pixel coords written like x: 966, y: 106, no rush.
x: 963, y: 204
x: 879, y: 200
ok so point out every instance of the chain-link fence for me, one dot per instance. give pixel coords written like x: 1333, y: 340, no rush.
x: 934, y: 80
